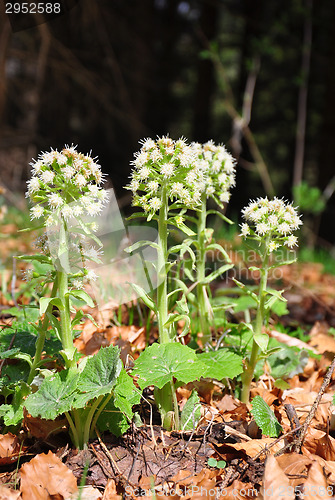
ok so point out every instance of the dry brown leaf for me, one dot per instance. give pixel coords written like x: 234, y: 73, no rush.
x: 319, y: 328
x: 315, y: 486
x: 205, y: 389
x: 319, y: 443
x: 41, y: 428
x: 295, y: 466
x: 183, y: 477
x: 320, y: 338
x: 227, y: 403
x: 10, y: 449
x: 275, y: 482
x: 88, y: 493
x: 303, y: 401
x: 9, y: 445
x: 199, y: 485
x: 268, y: 396
x: 110, y: 491
x: 328, y: 465
x: 7, y: 494
x: 323, y: 343
x: 239, y: 491
x: 253, y: 447
x: 310, y: 367
x: 46, y: 475
x: 241, y: 412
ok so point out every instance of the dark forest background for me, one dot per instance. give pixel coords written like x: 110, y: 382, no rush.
x: 256, y: 75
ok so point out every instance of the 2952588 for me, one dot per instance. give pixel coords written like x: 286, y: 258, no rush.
x: 33, y: 8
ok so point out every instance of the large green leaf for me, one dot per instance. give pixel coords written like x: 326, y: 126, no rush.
x: 54, y: 397
x: 113, y: 420
x: 118, y: 412
x: 221, y: 364
x: 13, y: 414
x: 265, y: 418
x: 99, y: 375
x: 159, y: 363
x: 126, y: 394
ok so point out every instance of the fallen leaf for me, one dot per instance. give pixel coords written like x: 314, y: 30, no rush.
x: 268, y: 396
x: 46, y: 475
x: 8, y: 494
x: 328, y: 465
x: 110, y: 491
x: 88, y: 493
x: 10, y: 448
x: 315, y: 486
x: 294, y: 465
x: 227, y: 403
x: 9, y: 444
x: 253, y: 447
x: 317, y: 442
x: 41, y: 428
x: 319, y: 328
x: 323, y: 343
x: 303, y: 401
x: 275, y: 482
x: 239, y: 491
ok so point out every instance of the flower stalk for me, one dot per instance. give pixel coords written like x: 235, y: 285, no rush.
x: 250, y: 364
x: 205, y: 315
x: 164, y: 171
x: 162, y: 257
x: 271, y: 224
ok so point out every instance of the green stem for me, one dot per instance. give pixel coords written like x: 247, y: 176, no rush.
x: 63, y: 292
x: 87, y: 427
x: 175, y: 406
x: 65, y: 318
x: 203, y: 301
x: 41, y: 337
x: 162, y: 301
x: 98, y: 413
x: 164, y: 397
x: 75, y: 437
x: 250, y: 364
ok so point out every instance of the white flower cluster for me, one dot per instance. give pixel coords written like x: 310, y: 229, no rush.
x: 274, y: 219
x: 216, y: 171
x: 65, y: 184
x: 166, y: 165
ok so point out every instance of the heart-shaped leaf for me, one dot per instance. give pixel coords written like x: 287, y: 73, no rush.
x: 54, y: 397
x: 99, y: 375
x: 221, y: 364
x: 159, y: 363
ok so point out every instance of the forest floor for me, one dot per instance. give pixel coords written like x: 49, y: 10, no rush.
x: 149, y: 462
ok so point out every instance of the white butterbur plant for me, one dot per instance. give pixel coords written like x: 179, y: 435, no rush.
x: 166, y: 181
x: 215, y: 173
x: 65, y: 191
x: 164, y: 170
x: 271, y: 224
x: 67, y: 198
x: 165, y: 178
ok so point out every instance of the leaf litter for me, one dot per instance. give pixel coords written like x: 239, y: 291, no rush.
x: 38, y: 463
